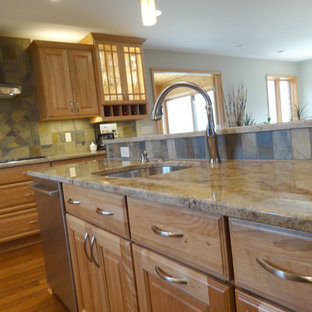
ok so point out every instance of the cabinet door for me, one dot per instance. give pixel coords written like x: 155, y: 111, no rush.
x: 56, y: 82
x: 112, y: 87
x: 83, y: 82
x: 134, y: 73
x: 104, y: 275
x: 249, y: 303
x: 166, y: 286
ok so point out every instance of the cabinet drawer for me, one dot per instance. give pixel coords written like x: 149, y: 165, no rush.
x: 18, y: 224
x: 282, y: 249
x: 165, y: 286
x: 19, y: 173
x: 249, y: 303
x: 103, y: 209
x: 199, y: 240
x: 17, y: 196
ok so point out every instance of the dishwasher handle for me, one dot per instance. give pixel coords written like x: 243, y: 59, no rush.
x: 38, y: 188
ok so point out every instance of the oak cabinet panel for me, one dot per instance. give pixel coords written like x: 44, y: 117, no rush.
x: 255, y: 246
x: 106, y: 210
x: 249, y: 303
x: 18, y: 224
x: 198, y: 240
x: 166, y: 286
x: 66, y: 84
x: 103, y: 269
x: 83, y: 83
x: 18, y: 208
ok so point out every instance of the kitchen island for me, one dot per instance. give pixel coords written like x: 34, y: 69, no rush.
x: 253, y: 216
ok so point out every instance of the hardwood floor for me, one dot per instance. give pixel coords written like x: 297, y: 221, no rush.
x: 23, y: 284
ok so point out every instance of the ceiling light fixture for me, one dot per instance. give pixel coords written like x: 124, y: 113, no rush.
x: 149, y: 12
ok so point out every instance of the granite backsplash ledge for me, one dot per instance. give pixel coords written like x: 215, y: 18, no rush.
x: 287, y: 144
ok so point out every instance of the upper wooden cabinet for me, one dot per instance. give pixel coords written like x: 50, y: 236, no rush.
x: 121, y: 75
x: 66, y: 83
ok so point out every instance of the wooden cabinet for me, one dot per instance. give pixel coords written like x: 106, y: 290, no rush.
x: 18, y: 209
x: 248, y: 303
x: 120, y: 67
x: 106, y: 210
x: 66, y: 83
x: 195, y: 239
x: 166, y: 286
x: 273, y: 262
x: 103, y: 269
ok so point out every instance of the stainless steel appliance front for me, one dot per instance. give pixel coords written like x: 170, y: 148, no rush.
x: 54, y: 238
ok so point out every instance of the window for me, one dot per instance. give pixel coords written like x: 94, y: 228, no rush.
x: 282, y: 97
x: 187, y: 113
x: 184, y: 108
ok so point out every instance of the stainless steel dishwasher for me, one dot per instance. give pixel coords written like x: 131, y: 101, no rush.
x: 54, y: 238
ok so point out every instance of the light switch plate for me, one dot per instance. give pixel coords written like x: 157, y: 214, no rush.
x: 68, y: 137
x: 124, y: 151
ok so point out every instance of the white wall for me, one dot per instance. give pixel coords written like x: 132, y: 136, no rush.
x: 234, y: 70
x: 305, y: 87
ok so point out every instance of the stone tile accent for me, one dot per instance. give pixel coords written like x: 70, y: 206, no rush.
x: 180, y: 148
x: 281, y: 144
x: 171, y: 149
x: 249, y: 146
x: 301, y: 143
x: 234, y: 146
x: 265, y: 145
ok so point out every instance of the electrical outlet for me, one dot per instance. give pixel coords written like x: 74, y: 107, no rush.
x: 68, y: 137
x: 124, y: 151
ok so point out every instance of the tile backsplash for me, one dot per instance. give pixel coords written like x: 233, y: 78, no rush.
x: 21, y: 133
x: 263, y: 145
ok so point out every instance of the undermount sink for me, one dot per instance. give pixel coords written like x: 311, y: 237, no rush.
x: 142, y: 172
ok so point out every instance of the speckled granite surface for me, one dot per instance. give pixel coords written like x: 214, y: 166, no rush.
x: 271, y: 192
x: 51, y: 158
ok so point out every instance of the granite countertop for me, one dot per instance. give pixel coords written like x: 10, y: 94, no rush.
x: 271, y: 192
x: 49, y: 159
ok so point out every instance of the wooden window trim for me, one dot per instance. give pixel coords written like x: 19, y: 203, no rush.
x: 218, y: 92
x: 293, y: 85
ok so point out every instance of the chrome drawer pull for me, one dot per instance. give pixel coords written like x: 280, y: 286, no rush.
x: 33, y: 221
x: 28, y: 194
x: 103, y: 212
x: 85, y: 246
x: 74, y: 202
x: 92, y: 256
x: 165, y: 276
x: 282, y: 274
x: 161, y: 232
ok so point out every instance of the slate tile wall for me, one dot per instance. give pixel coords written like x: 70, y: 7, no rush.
x: 21, y: 133
x: 277, y: 144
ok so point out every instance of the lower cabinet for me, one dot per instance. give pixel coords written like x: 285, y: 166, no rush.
x: 249, y: 303
x: 167, y: 286
x: 103, y: 268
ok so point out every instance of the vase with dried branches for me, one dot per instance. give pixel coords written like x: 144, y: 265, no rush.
x: 235, y: 105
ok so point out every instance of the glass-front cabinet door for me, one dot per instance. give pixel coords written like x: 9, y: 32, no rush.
x: 120, y: 64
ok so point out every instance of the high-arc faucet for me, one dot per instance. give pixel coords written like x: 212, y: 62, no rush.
x: 211, y: 135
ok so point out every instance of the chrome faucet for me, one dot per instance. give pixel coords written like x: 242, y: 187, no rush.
x: 211, y: 135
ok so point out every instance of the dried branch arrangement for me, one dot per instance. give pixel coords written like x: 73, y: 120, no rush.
x: 235, y: 106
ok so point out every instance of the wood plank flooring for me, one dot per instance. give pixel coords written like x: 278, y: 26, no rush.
x: 23, y: 284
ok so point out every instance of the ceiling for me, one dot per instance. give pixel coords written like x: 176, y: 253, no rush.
x: 247, y: 28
